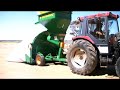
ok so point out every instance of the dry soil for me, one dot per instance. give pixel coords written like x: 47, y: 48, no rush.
x: 13, y: 70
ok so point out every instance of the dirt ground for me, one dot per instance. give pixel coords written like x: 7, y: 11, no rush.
x: 13, y: 70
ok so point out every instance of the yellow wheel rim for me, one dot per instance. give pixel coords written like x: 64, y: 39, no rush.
x: 38, y: 60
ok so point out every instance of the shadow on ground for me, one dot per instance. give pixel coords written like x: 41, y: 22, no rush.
x: 110, y: 70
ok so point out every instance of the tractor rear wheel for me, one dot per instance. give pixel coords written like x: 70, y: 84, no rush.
x: 40, y: 60
x: 117, y: 67
x: 82, y: 57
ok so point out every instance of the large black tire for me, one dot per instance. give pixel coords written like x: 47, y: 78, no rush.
x: 40, y: 61
x: 117, y: 67
x: 82, y: 57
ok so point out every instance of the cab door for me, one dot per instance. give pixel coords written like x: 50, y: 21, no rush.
x: 101, y: 41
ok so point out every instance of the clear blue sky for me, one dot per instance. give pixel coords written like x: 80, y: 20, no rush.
x: 17, y: 25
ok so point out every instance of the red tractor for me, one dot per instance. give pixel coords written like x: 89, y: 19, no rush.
x: 95, y: 43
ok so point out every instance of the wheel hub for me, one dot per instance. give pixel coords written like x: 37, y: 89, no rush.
x: 79, y: 58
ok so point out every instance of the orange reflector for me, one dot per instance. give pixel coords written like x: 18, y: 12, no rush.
x: 62, y: 44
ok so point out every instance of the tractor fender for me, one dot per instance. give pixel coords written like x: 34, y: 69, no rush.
x: 83, y: 37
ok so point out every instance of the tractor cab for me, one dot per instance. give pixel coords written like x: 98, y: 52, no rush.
x: 99, y: 29
x: 100, y: 26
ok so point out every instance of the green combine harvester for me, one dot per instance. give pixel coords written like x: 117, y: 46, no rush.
x: 48, y: 45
